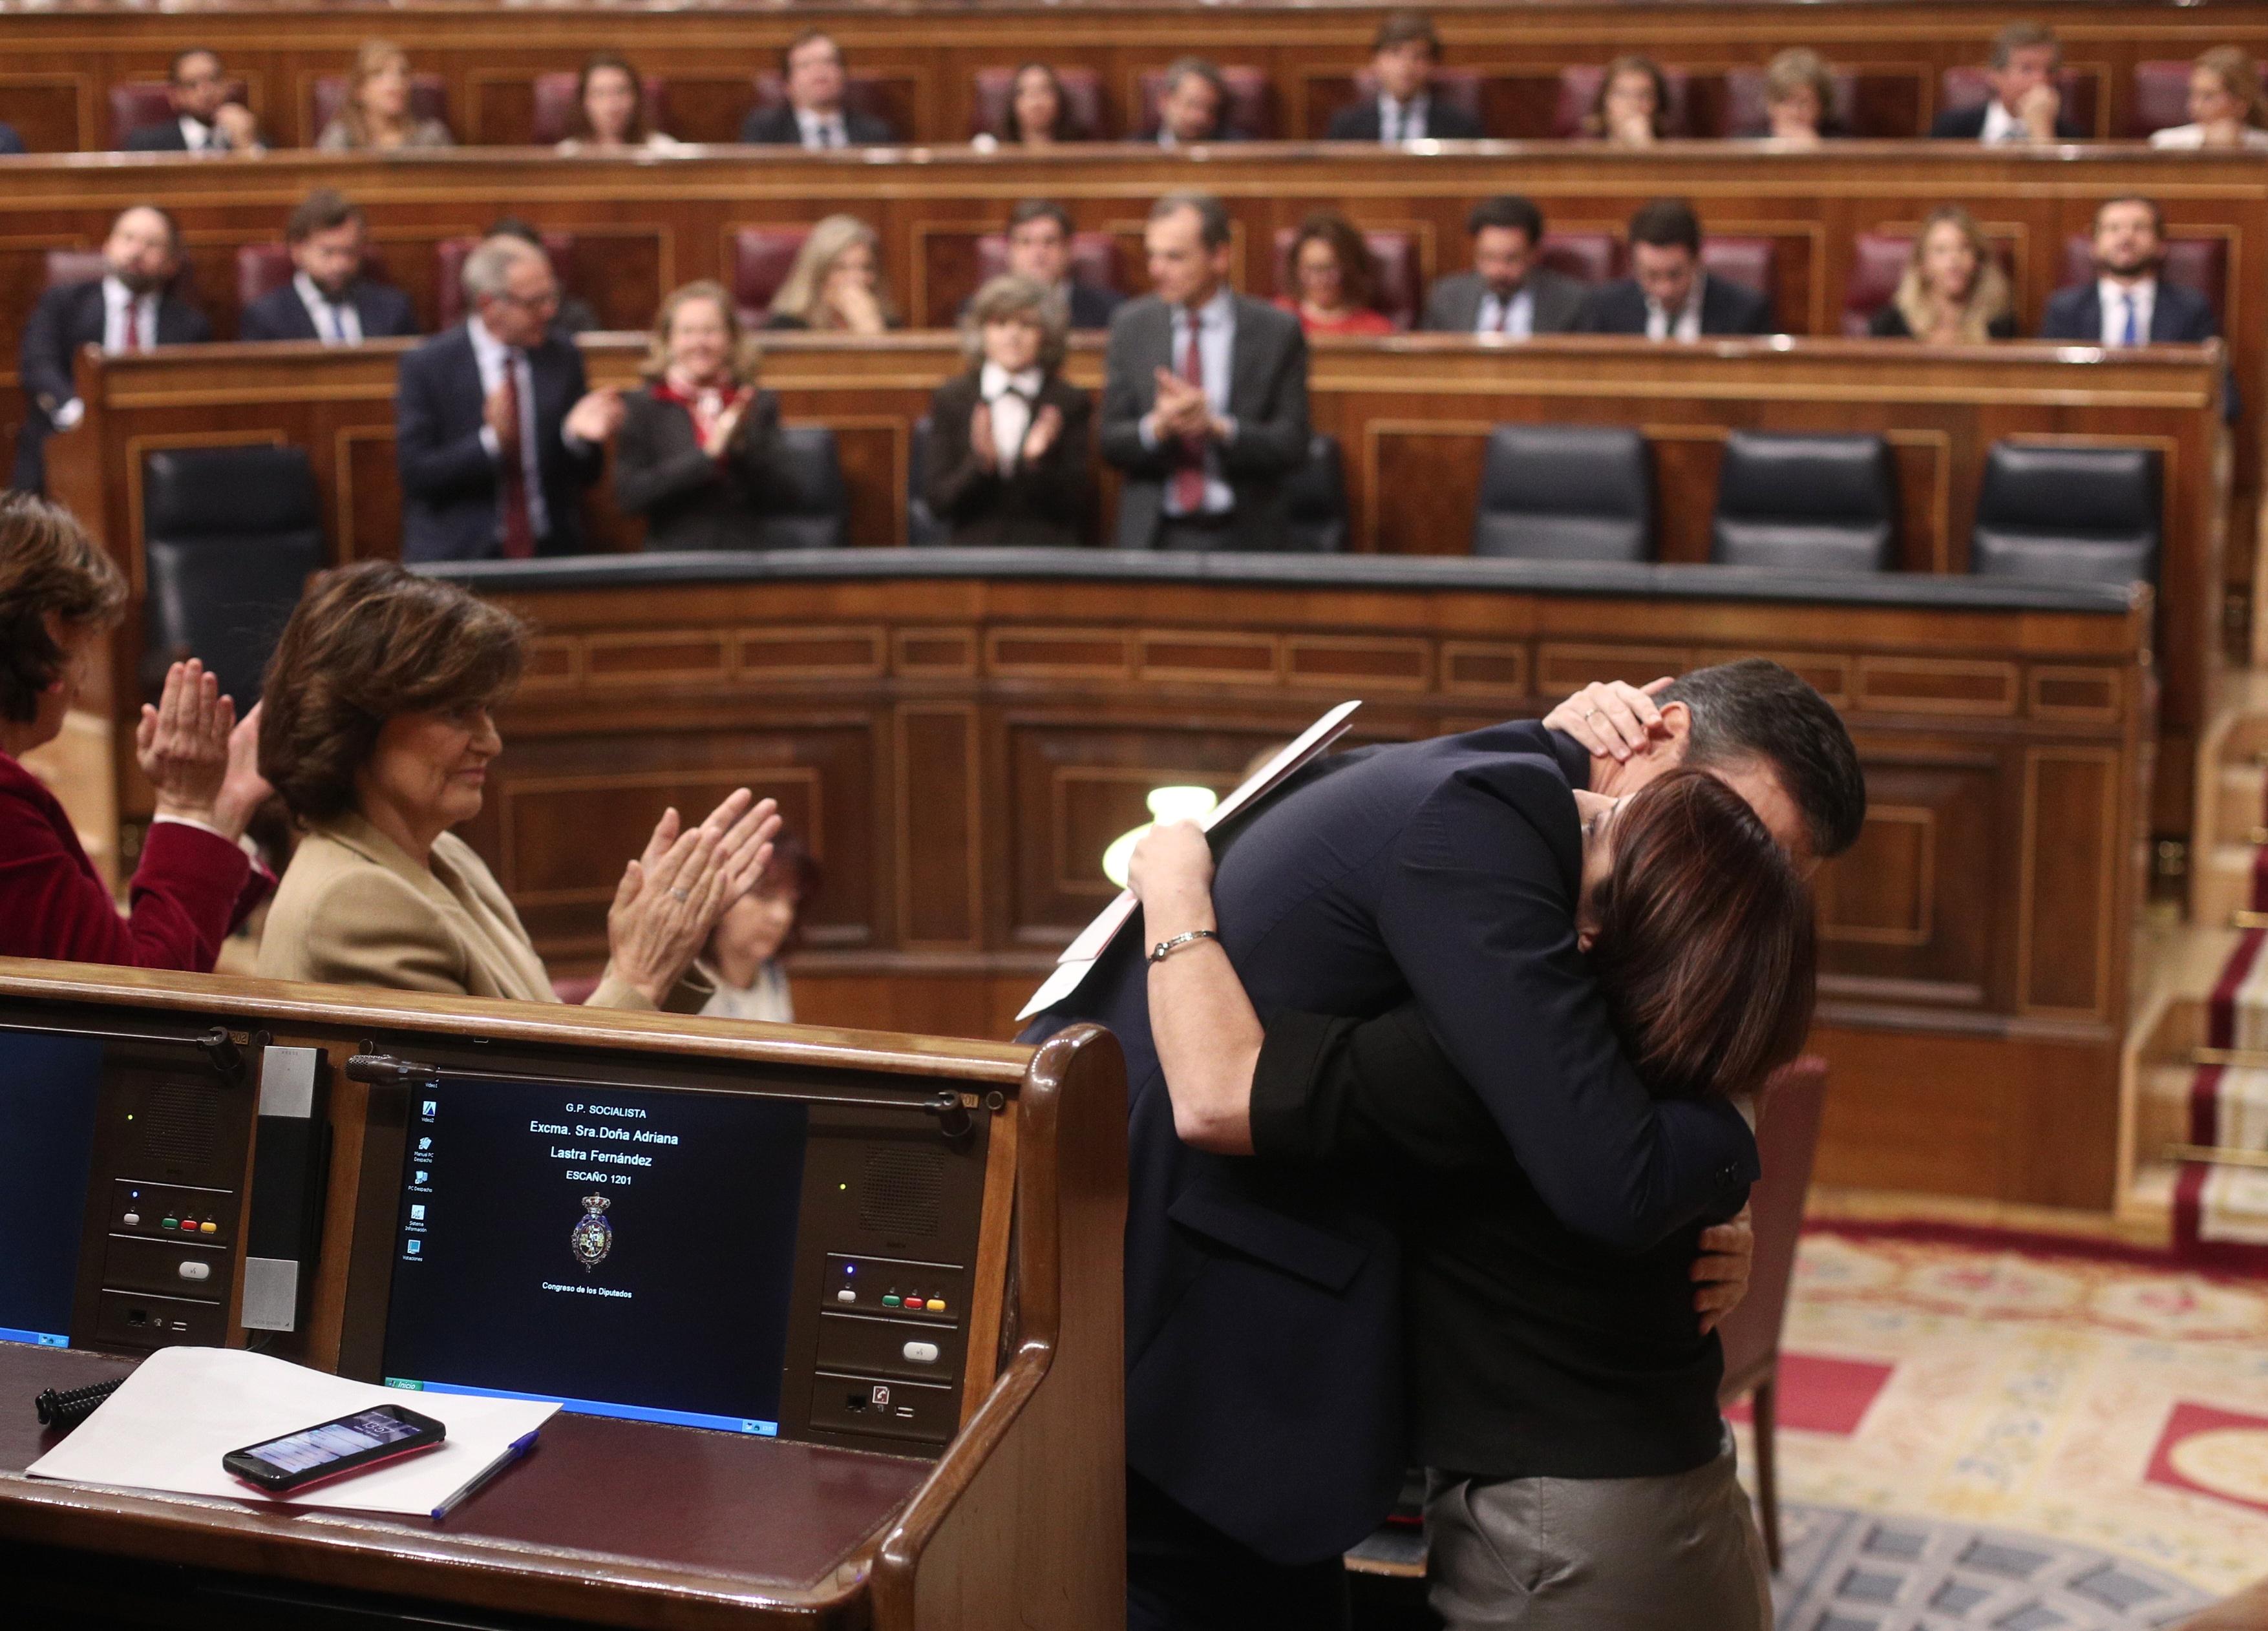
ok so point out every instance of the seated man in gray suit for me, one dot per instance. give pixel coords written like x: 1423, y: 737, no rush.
x: 1204, y: 395
x: 1509, y: 290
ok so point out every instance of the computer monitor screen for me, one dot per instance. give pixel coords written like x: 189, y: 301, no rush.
x: 626, y: 1253
x: 49, y: 1084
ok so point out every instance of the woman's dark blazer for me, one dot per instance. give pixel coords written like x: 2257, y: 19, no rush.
x: 1890, y: 323
x: 690, y: 500
x: 1049, y: 504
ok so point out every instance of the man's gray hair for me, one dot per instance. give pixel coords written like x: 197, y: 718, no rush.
x: 491, y: 263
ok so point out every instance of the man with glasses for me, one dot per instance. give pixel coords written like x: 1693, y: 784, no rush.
x: 206, y: 118
x: 496, y: 432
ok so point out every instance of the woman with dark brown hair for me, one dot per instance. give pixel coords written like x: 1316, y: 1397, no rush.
x: 1631, y: 109
x: 1331, y: 275
x: 1547, y: 1372
x: 59, y: 594
x: 377, y: 734
x: 610, y: 110
x: 1037, y: 114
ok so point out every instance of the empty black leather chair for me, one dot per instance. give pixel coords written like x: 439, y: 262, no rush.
x: 809, y: 507
x: 231, y: 535
x: 1316, y: 500
x: 2067, y: 514
x: 1565, y: 492
x: 1809, y: 504
x: 923, y: 529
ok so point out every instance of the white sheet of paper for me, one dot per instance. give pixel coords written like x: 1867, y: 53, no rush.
x: 184, y: 1408
x: 1079, y: 956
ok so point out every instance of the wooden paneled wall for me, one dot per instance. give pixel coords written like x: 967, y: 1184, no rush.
x: 959, y: 748
x: 1411, y: 415
x: 61, y: 64
x: 644, y: 227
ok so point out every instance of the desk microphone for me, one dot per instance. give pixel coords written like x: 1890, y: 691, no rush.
x: 68, y: 1410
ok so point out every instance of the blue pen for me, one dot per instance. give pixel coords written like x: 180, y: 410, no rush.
x: 518, y: 1448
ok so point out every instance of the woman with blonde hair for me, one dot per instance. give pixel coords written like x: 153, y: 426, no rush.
x: 376, y: 115
x: 1631, y: 109
x: 2226, y: 105
x: 694, y: 454
x: 1953, y: 291
x: 1799, y: 93
x: 835, y: 283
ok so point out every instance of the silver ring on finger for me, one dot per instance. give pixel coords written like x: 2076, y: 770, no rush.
x: 680, y: 894
x: 1595, y: 713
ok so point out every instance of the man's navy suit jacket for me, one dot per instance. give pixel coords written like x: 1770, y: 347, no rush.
x: 1263, y: 1319
x: 450, y: 486
x: 2178, y: 316
x: 383, y: 310
x: 64, y: 320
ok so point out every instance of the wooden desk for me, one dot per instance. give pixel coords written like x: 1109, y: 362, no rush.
x: 961, y: 734
x: 1018, y: 1520
x: 63, y: 62
x: 1411, y: 415
x: 648, y: 226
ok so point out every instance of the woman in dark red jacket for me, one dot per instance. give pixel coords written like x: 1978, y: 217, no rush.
x: 59, y: 594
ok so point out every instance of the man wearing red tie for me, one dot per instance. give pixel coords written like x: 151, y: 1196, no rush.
x: 495, y: 431
x: 1205, y: 400
x: 131, y: 307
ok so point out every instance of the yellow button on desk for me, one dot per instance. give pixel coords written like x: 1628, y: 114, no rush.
x: 937, y: 1306
x: 208, y: 1229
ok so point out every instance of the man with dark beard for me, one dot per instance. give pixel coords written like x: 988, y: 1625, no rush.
x: 131, y: 307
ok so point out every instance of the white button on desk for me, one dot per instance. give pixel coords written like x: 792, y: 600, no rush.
x: 921, y: 1353
x: 197, y: 1271
x: 846, y: 1296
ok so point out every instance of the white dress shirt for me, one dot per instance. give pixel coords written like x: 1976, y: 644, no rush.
x: 822, y: 131
x: 1216, y: 345
x: 1403, y: 122
x: 492, y: 354
x: 1684, y: 324
x: 115, y: 299
x: 336, y: 323
x: 2000, y: 125
x: 200, y: 137
x: 1014, y: 399
x: 2113, y: 296
x: 1519, y: 321
x: 2192, y: 136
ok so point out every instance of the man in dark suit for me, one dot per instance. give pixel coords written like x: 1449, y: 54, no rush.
x: 204, y: 119
x: 1038, y: 248
x: 129, y: 308
x: 328, y: 298
x: 2127, y: 302
x: 1204, y: 395
x: 1508, y: 291
x: 11, y: 140
x: 1193, y: 105
x: 1404, y: 53
x: 1668, y: 297
x: 1264, y: 1392
x: 2025, y: 104
x: 495, y: 436
x: 813, y: 116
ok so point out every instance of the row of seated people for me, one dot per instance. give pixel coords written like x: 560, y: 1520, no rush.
x: 1203, y: 413
x: 1405, y: 95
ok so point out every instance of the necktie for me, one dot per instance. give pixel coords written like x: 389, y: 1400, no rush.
x: 1189, y: 479
x: 132, y: 324
x: 338, y: 322
x: 2133, y: 332
x: 518, y: 528
x: 1393, y: 121
x: 1503, y: 314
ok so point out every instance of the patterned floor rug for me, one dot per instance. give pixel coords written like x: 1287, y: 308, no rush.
x: 1978, y: 1429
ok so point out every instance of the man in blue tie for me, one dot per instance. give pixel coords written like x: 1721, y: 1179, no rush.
x: 328, y: 297
x: 2128, y: 302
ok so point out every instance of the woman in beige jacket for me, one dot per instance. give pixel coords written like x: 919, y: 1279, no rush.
x: 378, y: 735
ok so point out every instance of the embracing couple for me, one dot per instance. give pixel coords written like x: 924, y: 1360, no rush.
x: 1436, y: 1104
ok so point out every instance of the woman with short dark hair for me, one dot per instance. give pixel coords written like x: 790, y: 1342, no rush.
x: 59, y: 595
x: 696, y: 450
x: 1011, y: 440
x: 1549, y: 1374
x: 377, y: 735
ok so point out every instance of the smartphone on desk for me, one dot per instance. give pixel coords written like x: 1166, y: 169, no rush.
x: 333, y: 1449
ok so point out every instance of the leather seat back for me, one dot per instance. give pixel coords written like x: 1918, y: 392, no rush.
x: 1806, y: 503
x: 808, y: 506
x: 924, y: 529
x: 2068, y: 514
x: 763, y: 256
x: 231, y: 536
x: 1565, y: 492
x: 1315, y: 501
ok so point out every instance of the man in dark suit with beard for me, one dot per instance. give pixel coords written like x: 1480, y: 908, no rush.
x: 131, y: 307
x: 328, y: 298
x: 1264, y: 1392
x: 1668, y: 295
x: 814, y: 117
x: 1205, y: 398
x: 495, y: 433
x: 1508, y: 291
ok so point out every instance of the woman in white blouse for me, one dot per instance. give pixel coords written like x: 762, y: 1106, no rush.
x: 2225, y: 104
